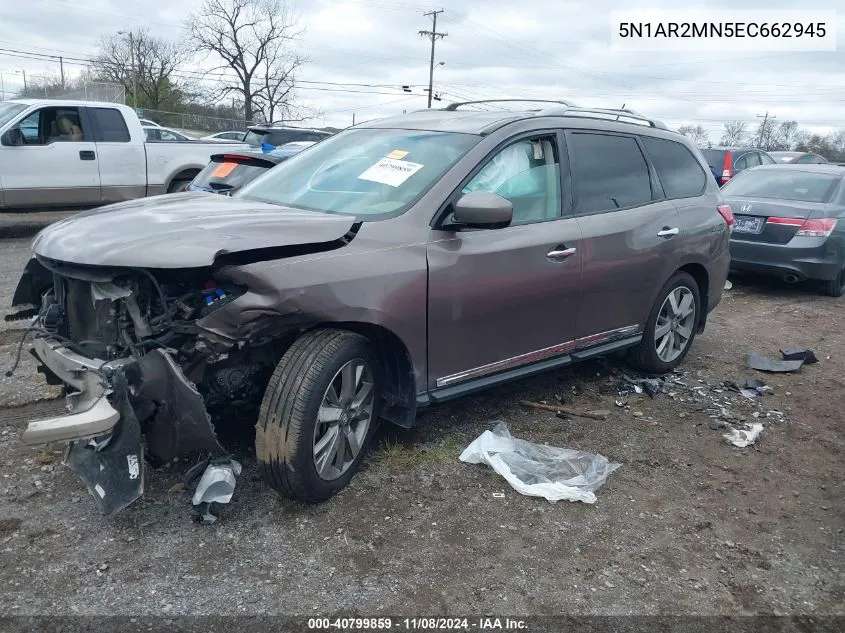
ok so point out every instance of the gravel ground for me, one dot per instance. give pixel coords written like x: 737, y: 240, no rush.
x: 688, y: 524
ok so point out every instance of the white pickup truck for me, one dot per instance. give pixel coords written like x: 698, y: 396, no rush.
x: 80, y: 153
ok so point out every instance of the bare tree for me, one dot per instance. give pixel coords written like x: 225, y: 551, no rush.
x: 765, y: 137
x: 253, y: 38
x: 697, y: 133
x: 148, y: 64
x: 734, y: 134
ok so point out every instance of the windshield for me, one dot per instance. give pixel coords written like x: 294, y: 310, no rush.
x: 9, y: 110
x: 782, y: 184
x: 230, y: 172
x: 363, y: 172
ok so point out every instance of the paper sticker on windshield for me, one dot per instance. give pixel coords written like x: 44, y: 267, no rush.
x: 389, y: 171
x: 223, y: 170
x: 398, y: 154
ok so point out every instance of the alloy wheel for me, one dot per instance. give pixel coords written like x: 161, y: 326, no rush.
x: 343, y: 419
x: 675, y: 323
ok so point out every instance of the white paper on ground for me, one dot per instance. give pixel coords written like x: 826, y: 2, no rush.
x: 742, y: 439
x: 392, y: 172
x: 537, y: 470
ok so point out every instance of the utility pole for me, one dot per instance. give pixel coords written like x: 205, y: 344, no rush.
x: 23, y: 72
x: 62, y: 71
x: 432, y: 35
x: 763, y: 128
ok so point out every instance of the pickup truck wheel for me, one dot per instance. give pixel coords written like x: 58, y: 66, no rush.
x: 671, y: 326
x: 178, y: 185
x: 318, y: 414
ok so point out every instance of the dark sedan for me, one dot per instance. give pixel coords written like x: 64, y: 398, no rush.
x: 790, y: 222
x: 798, y: 158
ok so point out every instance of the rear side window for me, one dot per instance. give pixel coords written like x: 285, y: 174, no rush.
x: 608, y: 172
x: 110, y: 126
x: 765, y: 159
x: 680, y: 173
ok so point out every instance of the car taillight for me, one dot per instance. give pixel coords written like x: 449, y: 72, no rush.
x: 807, y: 228
x: 727, y: 213
x: 785, y: 221
x: 727, y: 168
x: 817, y: 228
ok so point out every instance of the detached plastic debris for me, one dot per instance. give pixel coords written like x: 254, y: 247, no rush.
x: 540, y: 471
x: 743, y: 438
x: 763, y: 363
x: 217, y: 484
x: 803, y: 354
x: 728, y: 284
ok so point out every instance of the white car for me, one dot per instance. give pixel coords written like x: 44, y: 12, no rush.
x: 82, y: 153
x: 231, y: 135
x: 159, y: 133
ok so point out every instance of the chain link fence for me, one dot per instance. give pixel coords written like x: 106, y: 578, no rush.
x: 95, y: 91
x: 195, y: 122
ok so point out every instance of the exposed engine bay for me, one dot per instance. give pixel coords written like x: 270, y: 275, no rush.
x: 137, y: 369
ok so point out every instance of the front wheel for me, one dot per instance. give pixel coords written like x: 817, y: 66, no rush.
x: 671, y: 326
x: 318, y: 414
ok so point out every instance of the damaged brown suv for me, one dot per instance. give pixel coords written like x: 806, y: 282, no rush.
x: 401, y: 262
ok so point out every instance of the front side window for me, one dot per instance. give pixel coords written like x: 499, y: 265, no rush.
x: 49, y: 125
x: 608, y: 173
x: 678, y: 170
x: 366, y: 173
x: 527, y: 173
x: 167, y: 135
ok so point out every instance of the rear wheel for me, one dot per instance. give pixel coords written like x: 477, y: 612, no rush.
x: 178, y: 185
x: 671, y: 326
x: 318, y: 414
x: 835, y: 287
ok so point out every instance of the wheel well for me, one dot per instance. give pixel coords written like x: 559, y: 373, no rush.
x: 399, y: 402
x: 699, y: 273
x: 185, y: 174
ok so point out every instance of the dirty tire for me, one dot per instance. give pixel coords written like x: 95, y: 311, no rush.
x: 284, y: 441
x: 178, y: 185
x: 835, y: 287
x: 644, y: 356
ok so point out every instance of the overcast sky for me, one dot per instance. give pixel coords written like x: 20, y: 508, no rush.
x: 494, y: 48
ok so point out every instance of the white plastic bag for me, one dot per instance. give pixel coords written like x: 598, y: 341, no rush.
x: 537, y: 470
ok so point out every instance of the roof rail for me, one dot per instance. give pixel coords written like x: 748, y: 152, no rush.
x: 454, y: 106
x: 614, y: 113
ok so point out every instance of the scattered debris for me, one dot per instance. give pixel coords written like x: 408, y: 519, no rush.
x: 763, y: 363
x: 600, y: 414
x: 728, y: 284
x: 537, y: 470
x: 651, y: 386
x: 217, y: 484
x: 744, y: 437
x: 802, y: 354
x: 498, y: 495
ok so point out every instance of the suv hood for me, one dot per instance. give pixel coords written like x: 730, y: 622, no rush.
x: 187, y: 230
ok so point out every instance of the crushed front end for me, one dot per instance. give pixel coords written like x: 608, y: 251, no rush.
x: 142, y: 381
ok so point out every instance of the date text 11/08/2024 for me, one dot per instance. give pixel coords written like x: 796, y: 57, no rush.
x: 417, y: 624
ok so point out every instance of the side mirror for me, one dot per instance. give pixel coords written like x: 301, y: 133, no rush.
x: 12, y: 137
x: 482, y: 209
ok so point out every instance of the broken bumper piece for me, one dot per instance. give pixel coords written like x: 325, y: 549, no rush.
x: 102, y: 428
x: 90, y: 413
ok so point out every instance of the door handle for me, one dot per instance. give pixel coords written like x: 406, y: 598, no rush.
x: 87, y: 155
x: 667, y: 232
x: 560, y: 253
